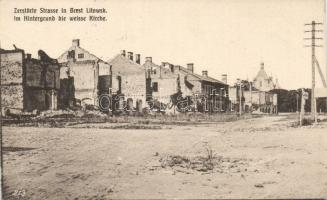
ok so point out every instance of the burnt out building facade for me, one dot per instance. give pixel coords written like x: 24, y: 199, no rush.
x: 83, y: 76
x: 128, y: 84
x: 28, y: 84
x: 163, y: 82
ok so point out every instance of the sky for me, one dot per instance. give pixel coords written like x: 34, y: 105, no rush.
x: 221, y: 36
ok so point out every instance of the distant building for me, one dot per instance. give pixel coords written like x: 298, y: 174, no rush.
x: 263, y: 82
x: 236, y: 96
x: 28, y: 84
x: 83, y: 76
x: 262, y: 101
x: 276, y: 85
x: 252, y: 99
x: 211, y: 95
x: 202, y: 92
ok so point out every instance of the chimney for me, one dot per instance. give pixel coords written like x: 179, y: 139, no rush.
x: 28, y: 56
x: 224, y: 78
x: 262, y: 65
x: 148, y: 59
x: 123, y: 53
x: 138, y: 58
x: 190, y: 67
x: 76, y: 42
x: 130, y: 55
x: 205, y: 73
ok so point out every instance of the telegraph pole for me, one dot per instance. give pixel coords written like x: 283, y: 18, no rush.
x: 313, y: 45
x: 250, y: 96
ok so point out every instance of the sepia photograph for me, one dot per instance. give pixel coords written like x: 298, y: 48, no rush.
x: 163, y: 99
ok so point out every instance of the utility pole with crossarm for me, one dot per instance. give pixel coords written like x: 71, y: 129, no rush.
x: 313, y: 46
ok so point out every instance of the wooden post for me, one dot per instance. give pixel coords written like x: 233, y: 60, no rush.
x: 130, y: 106
x: 250, y: 97
x: 302, y: 108
x: 240, y: 99
x: 139, y: 106
x: 304, y: 97
x: 53, y: 100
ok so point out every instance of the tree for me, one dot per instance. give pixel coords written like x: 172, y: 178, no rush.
x: 287, y: 100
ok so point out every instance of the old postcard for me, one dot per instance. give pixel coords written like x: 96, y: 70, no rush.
x: 145, y: 99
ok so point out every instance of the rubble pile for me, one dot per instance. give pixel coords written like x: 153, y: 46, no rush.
x: 205, y: 164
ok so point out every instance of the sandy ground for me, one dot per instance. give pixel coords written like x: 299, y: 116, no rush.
x: 260, y: 158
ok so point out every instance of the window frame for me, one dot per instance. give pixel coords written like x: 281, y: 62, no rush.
x: 155, y: 86
x: 80, y: 55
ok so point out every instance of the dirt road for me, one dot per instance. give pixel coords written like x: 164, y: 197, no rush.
x: 253, y: 158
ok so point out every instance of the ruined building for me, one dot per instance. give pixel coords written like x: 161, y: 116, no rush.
x: 128, y: 81
x: 164, y: 82
x: 200, y: 93
x: 28, y: 84
x: 83, y: 76
x: 208, y: 94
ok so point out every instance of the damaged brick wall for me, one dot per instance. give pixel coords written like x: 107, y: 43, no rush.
x: 66, y: 93
x: 130, y: 78
x: 133, y: 86
x: 163, y: 84
x: 12, y: 80
x: 34, y: 73
x: 12, y: 97
x: 35, y: 99
x: 104, y: 69
x: 85, y: 74
x: 104, y: 84
x: 41, y: 85
x: 166, y: 87
x: 184, y: 77
x: 84, y: 68
x: 53, y: 76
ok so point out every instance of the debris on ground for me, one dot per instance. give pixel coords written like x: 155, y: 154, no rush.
x: 204, y: 164
x: 258, y: 185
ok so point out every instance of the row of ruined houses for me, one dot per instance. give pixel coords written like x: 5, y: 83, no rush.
x: 80, y: 79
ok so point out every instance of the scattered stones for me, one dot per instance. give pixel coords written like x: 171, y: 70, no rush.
x: 184, y: 182
x: 258, y: 185
x: 268, y: 182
